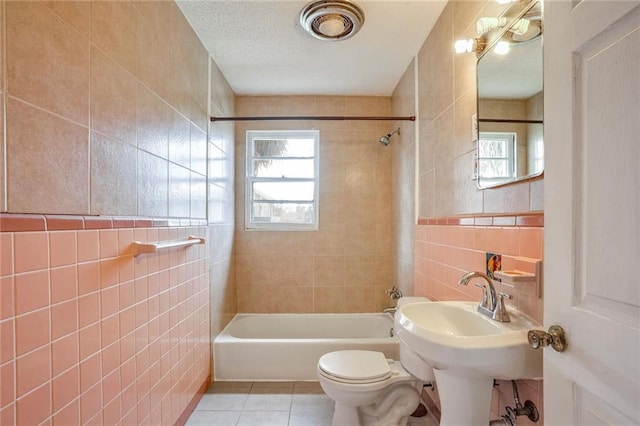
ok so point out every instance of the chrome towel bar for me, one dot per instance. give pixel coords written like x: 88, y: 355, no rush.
x: 144, y: 248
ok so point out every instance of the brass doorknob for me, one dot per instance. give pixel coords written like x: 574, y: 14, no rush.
x: 554, y: 338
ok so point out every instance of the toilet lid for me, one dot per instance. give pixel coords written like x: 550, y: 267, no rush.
x: 354, y: 365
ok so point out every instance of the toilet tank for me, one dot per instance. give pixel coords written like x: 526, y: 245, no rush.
x: 415, y: 365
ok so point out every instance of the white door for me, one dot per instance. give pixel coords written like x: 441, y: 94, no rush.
x: 592, y: 210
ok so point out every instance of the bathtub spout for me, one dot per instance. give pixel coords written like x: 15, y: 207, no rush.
x: 390, y: 310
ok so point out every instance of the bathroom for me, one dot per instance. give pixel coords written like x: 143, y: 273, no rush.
x: 107, y: 141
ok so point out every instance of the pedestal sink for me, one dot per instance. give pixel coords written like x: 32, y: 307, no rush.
x: 467, y: 351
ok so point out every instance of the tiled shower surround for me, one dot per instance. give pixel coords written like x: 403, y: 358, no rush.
x: 91, y: 334
x: 345, y: 266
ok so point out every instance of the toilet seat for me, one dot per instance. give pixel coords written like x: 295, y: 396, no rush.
x: 355, y: 367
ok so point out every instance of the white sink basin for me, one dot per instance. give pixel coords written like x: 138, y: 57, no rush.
x: 467, y: 350
x: 454, y: 336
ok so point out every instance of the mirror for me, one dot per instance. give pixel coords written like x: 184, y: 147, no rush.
x: 510, y: 103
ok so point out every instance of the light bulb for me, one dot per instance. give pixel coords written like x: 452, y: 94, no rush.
x: 471, y: 45
x: 332, y: 26
x: 502, y: 48
x: 485, y: 24
x: 463, y: 46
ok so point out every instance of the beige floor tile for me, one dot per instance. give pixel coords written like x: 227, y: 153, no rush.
x: 264, y: 418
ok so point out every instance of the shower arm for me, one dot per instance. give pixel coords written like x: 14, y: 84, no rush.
x: 394, y: 132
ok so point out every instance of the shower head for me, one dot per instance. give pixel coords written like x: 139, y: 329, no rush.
x: 385, y: 139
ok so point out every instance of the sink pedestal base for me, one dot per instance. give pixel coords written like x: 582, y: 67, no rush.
x: 464, y: 400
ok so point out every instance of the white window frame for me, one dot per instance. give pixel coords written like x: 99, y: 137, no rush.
x: 251, y: 225
x: 510, y: 138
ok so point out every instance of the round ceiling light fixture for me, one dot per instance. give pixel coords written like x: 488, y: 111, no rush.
x: 332, y: 20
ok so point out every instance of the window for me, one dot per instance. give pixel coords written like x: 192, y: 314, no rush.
x: 282, y: 180
x: 496, y: 156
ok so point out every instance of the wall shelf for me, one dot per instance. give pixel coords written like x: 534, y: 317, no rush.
x: 516, y: 277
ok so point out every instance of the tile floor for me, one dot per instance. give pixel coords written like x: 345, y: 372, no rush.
x: 269, y: 404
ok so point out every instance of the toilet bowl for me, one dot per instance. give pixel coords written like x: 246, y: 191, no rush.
x: 369, y: 389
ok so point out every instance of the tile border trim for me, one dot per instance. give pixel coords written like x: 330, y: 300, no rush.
x: 530, y: 219
x: 16, y: 222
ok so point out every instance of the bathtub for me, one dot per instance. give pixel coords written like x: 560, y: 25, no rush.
x: 281, y: 347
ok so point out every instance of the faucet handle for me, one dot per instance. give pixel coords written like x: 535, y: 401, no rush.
x: 394, y: 293
x: 485, y: 296
x: 502, y: 296
x: 501, y: 314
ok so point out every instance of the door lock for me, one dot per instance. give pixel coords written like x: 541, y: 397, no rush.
x: 554, y: 338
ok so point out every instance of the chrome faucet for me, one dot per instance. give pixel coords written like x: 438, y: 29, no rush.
x: 395, y: 294
x: 490, y: 305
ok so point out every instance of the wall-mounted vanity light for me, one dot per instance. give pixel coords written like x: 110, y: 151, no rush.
x: 521, y: 30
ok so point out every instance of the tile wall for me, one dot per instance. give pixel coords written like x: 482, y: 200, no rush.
x: 458, y: 222
x: 90, y: 334
x: 106, y: 114
x: 106, y: 111
x: 221, y: 204
x: 403, y: 182
x: 445, y: 252
x: 345, y: 266
x: 446, y: 102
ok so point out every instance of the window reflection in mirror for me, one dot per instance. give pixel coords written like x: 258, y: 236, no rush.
x: 510, y: 107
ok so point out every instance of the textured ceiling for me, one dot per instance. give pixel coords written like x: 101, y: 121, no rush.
x: 261, y: 49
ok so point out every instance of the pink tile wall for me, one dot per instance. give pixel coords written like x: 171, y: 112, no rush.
x: 445, y: 252
x: 446, y: 248
x: 89, y: 334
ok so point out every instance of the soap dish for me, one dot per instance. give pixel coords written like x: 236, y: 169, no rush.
x: 515, y: 276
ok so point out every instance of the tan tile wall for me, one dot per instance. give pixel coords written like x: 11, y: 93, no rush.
x: 106, y: 110
x: 447, y: 100
x: 221, y: 204
x: 403, y: 171
x: 344, y: 266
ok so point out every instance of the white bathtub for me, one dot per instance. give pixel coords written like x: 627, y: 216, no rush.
x: 272, y: 347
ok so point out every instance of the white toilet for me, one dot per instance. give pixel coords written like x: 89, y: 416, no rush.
x: 369, y: 389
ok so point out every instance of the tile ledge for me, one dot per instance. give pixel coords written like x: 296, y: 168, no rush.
x: 527, y: 219
x: 25, y: 222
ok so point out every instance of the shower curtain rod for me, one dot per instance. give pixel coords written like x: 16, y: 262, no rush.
x: 312, y: 117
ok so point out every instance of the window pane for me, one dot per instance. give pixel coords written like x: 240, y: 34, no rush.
x: 284, y: 168
x: 493, y: 168
x: 283, y: 147
x: 492, y: 148
x: 296, y: 213
x: 294, y: 191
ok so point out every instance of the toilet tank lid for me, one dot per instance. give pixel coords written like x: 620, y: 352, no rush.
x: 355, y: 365
x: 411, y: 299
